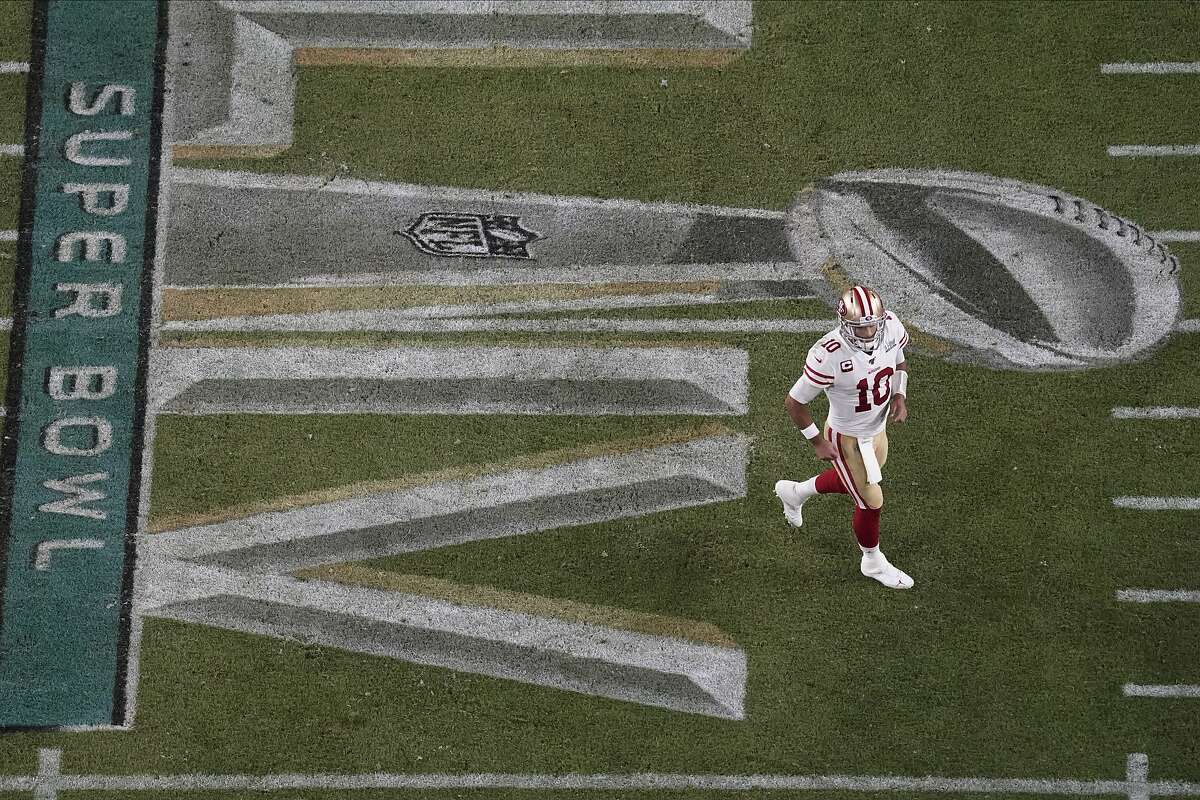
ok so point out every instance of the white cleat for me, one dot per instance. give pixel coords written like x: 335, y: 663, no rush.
x: 787, y: 494
x: 878, y: 567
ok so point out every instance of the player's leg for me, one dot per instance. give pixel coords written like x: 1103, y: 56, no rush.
x: 794, y: 494
x: 868, y: 505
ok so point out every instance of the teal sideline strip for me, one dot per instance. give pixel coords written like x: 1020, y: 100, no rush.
x: 72, y: 448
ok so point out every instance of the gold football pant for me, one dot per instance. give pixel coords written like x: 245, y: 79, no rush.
x: 853, y: 473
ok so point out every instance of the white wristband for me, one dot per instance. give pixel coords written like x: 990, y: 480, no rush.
x: 901, y: 386
x: 811, y: 432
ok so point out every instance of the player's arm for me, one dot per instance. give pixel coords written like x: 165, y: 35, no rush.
x: 796, y: 404
x: 899, y: 409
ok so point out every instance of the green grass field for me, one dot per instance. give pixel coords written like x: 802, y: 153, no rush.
x: 1008, y: 658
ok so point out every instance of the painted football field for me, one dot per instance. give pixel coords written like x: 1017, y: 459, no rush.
x: 1017, y: 500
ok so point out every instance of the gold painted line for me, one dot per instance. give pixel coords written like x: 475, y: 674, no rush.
x: 217, y: 151
x: 512, y: 57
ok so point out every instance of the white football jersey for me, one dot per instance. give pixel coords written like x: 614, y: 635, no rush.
x: 858, y: 385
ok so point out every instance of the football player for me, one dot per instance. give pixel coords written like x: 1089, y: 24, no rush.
x: 860, y: 367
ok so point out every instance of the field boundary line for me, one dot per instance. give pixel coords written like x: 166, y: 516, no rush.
x: 50, y: 780
x: 13, y: 67
x: 15, y: 150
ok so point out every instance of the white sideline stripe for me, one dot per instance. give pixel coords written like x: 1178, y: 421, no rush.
x: 1150, y: 68
x: 1158, y: 503
x: 12, y: 149
x: 1135, y: 784
x: 1156, y: 412
x: 1158, y: 596
x: 1176, y: 236
x: 8, y: 236
x: 1158, y: 690
x: 1118, y: 150
x: 11, y: 67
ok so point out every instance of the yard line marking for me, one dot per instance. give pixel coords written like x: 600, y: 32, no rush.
x: 12, y: 150
x: 1141, y: 503
x: 13, y: 67
x: 1176, y: 236
x: 8, y: 236
x: 1159, y: 690
x: 1156, y: 412
x: 1137, y: 773
x: 1150, y: 68
x: 49, y: 770
x: 1158, y: 596
x: 1118, y: 150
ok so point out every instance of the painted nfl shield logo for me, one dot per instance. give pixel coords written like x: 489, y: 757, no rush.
x: 472, y: 235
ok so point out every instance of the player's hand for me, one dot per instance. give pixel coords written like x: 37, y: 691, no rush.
x: 824, y: 449
x: 899, y: 410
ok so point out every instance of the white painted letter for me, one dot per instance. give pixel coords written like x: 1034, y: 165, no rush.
x: 92, y: 240
x: 76, y: 142
x: 41, y: 557
x: 89, y: 197
x: 109, y: 306
x: 75, y: 383
x: 76, y: 495
x: 77, y: 102
x: 52, y: 436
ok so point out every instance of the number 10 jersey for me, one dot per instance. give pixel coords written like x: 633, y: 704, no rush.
x: 858, y: 384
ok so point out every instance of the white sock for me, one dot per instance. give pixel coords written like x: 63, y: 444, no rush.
x: 870, y: 551
x: 807, y: 489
